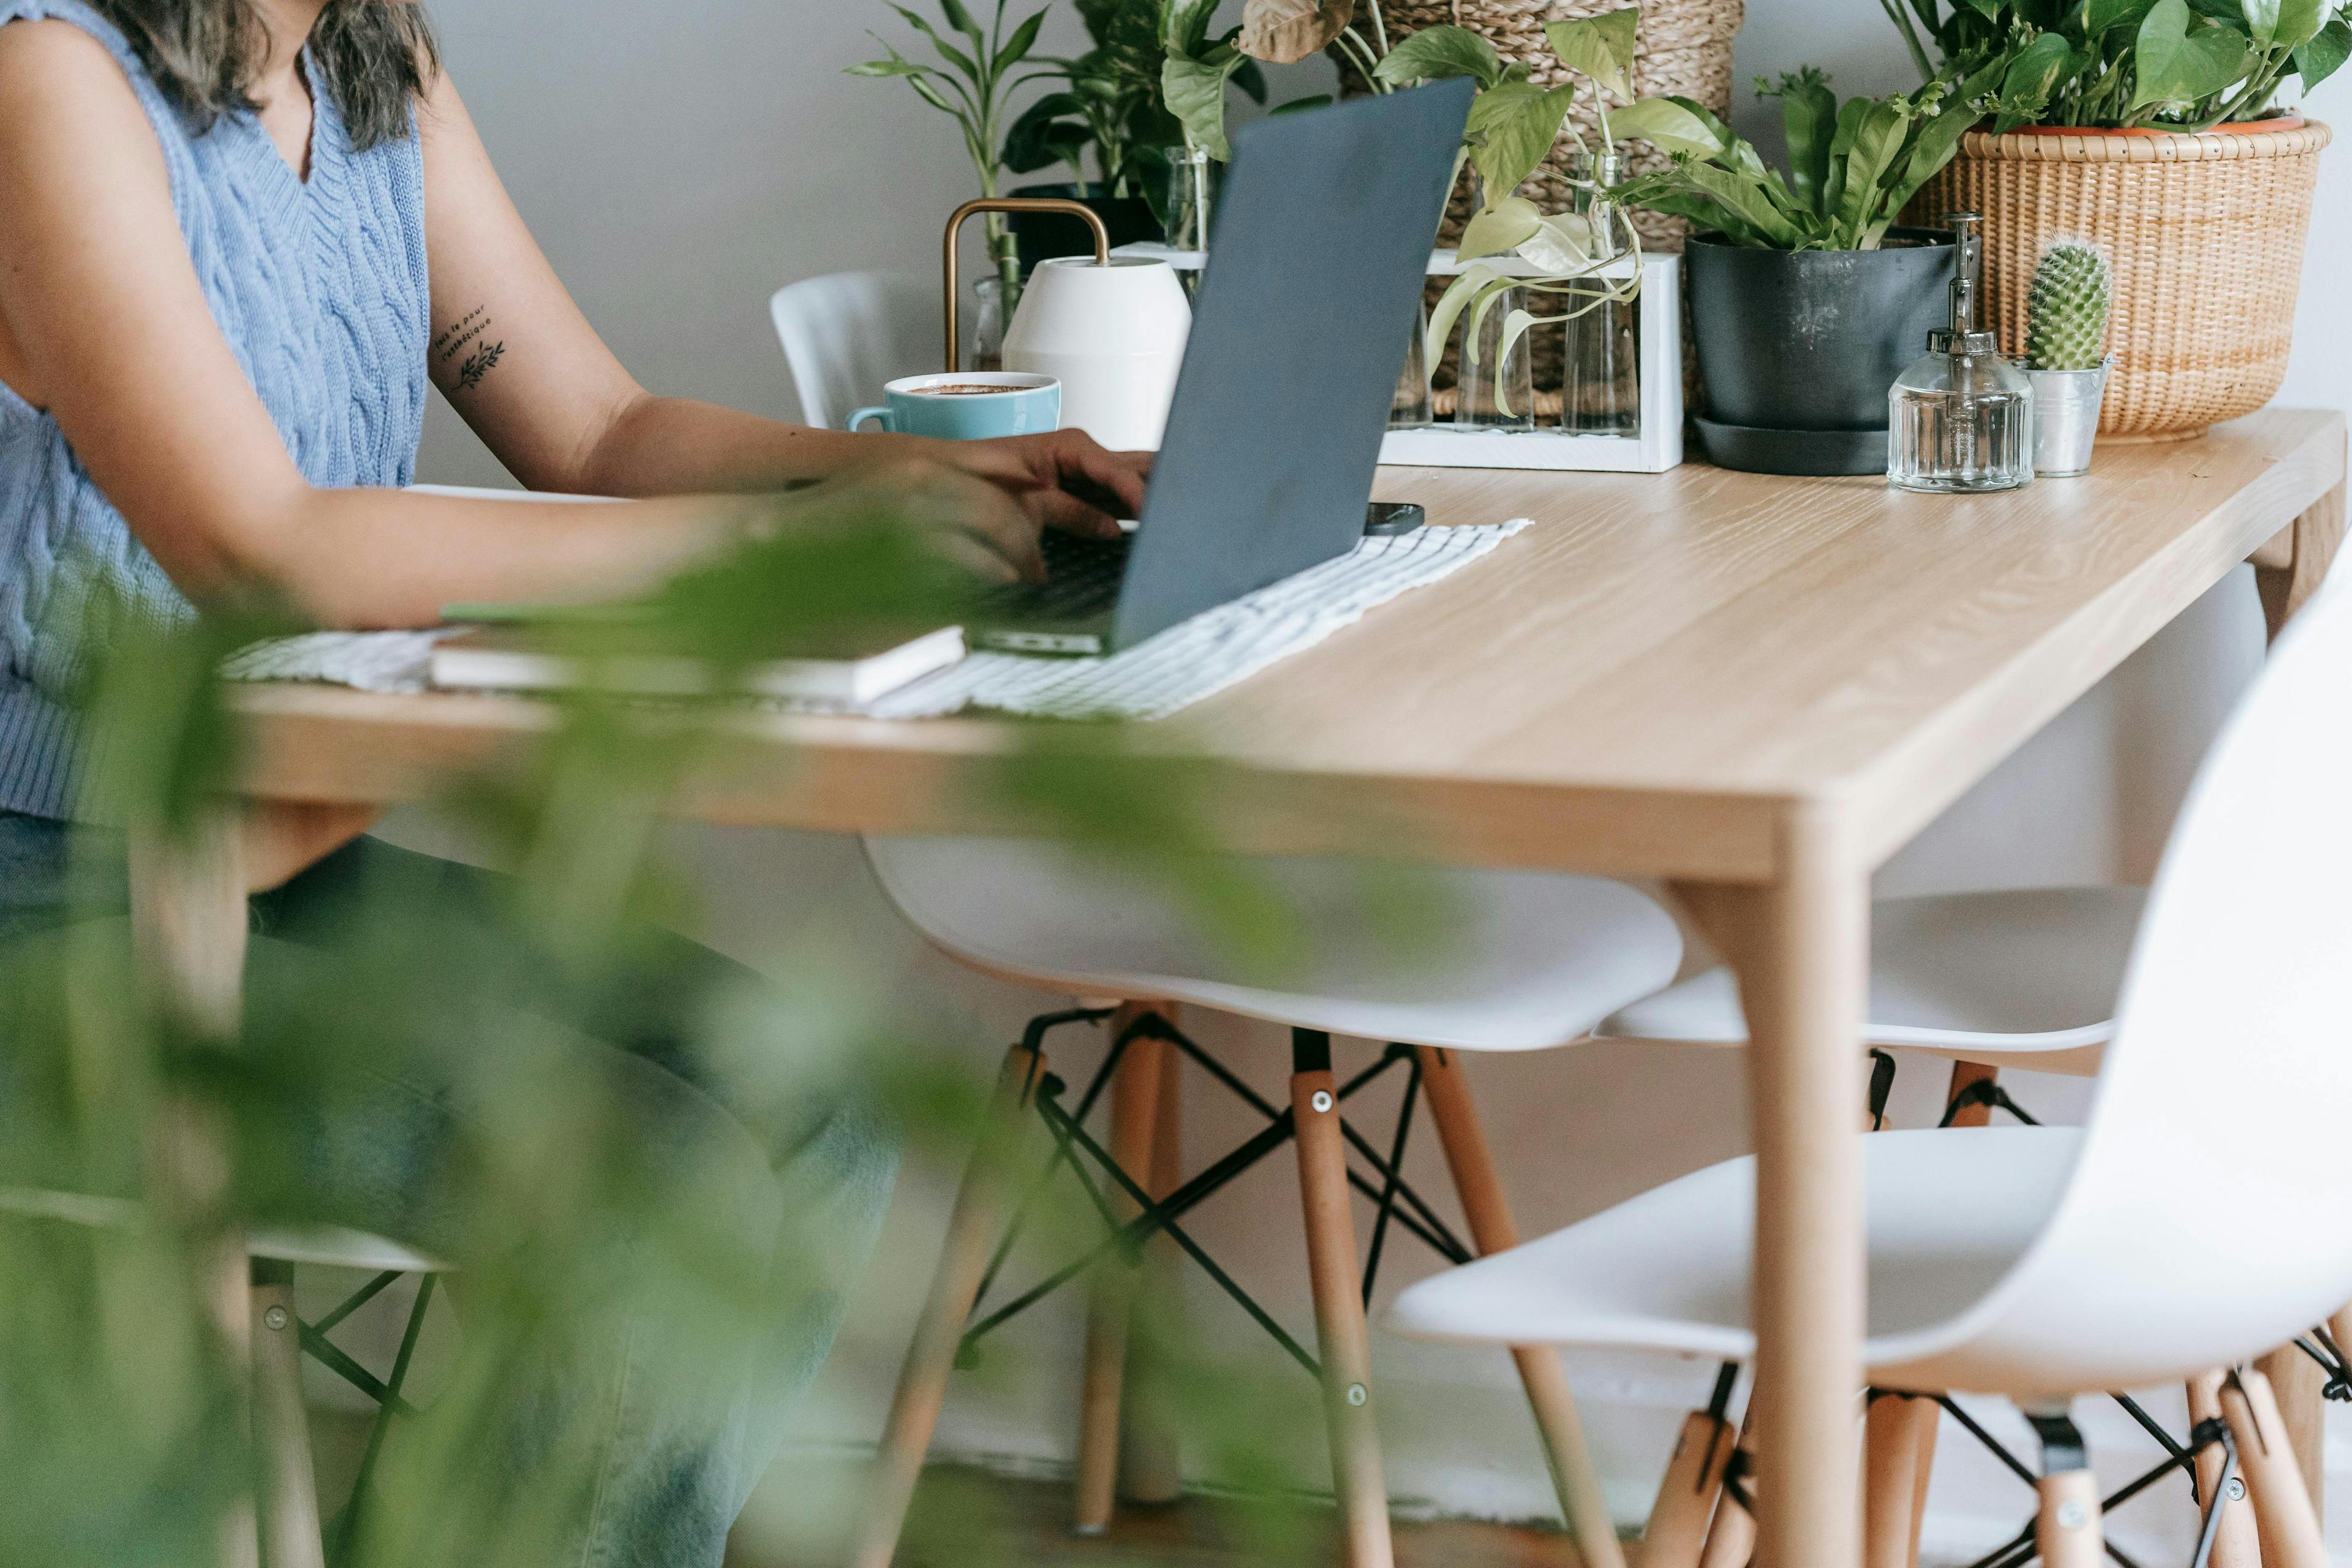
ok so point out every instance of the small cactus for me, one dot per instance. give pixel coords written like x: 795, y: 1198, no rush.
x: 2066, y: 310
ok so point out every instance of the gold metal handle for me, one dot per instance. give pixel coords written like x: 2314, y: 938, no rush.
x: 1009, y: 204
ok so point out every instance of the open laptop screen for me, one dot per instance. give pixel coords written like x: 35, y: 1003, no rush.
x: 1317, y: 253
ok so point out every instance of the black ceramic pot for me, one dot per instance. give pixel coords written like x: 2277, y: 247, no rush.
x: 1797, y: 348
x: 1043, y: 235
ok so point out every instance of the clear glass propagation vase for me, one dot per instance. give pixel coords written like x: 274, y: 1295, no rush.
x: 985, y: 351
x: 1601, y: 389
x: 1410, y: 409
x: 1496, y: 391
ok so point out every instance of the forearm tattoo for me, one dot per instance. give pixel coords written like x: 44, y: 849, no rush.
x: 465, y: 346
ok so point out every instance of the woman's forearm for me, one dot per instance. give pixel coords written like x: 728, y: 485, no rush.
x: 366, y: 558
x: 670, y: 446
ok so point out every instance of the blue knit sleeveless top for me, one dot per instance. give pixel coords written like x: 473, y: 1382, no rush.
x: 319, y: 289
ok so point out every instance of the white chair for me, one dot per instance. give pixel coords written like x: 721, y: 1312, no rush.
x: 1515, y: 961
x: 847, y: 334
x: 287, y: 1524
x: 2190, y: 1224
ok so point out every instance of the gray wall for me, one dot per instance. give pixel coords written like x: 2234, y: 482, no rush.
x: 680, y: 163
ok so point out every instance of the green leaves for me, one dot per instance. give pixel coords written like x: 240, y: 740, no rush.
x: 1194, y: 87
x: 1808, y: 116
x: 1601, y: 48
x: 1440, y: 54
x: 1852, y: 166
x: 2262, y: 20
x: 2324, y: 54
x: 1667, y: 125
x: 1499, y: 229
x: 1511, y: 130
x: 2299, y: 22
x: 2182, y: 59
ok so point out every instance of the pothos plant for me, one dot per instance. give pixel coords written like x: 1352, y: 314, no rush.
x: 2175, y: 65
x: 973, y: 85
x: 1582, y: 259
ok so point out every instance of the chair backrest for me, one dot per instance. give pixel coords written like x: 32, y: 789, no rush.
x: 2213, y: 1184
x: 848, y: 333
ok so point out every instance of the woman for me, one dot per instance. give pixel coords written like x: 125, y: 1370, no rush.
x: 236, y: 236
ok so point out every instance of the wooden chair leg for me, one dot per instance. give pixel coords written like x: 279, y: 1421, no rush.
x: 1676, y: 1532
x: 1893, y: 1450
x: 2067, y: 1529
x: 1339, y: 1327
x: 1151, y: 1451
x: 922, y: 1384
x: 2296, y: 1382
x: 2236, y: 1542
x: 2289, y: 1523
x: 1471, y: 1161
x: 1134, y: 1114
x: 1731, y: 1537
x: 282, y: 1427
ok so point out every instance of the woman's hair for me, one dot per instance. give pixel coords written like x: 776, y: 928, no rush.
x: 374, y: 54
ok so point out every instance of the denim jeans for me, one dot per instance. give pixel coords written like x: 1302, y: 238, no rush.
x: 602, y: 1443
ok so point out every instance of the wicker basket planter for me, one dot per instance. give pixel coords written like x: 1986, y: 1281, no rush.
x: 2206, y: 237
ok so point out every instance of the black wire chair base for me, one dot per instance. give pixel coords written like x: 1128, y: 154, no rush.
x: 385, y: 1392
x: 1397, y: 1203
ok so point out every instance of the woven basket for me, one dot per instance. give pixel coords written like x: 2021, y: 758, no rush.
x: 1685, y: 49
x: 2205, y: 234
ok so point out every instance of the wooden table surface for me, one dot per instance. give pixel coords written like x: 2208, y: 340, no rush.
x: 1758, y: 689
x: 1641, y: 682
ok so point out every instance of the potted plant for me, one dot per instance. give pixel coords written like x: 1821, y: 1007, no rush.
x: 973, y: 85
x: 1807, y: 301
x: 2159, y: 144
x: 1111, y: 108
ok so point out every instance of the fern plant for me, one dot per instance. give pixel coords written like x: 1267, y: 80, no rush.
x: 2066, y: 309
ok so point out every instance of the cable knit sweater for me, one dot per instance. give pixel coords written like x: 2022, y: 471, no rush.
x: 319, y: 289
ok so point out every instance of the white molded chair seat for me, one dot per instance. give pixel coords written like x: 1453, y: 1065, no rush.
x: 2024, y: 978
x: 2194, y: 1222
x: 1950, y: 1214
x: 319, y: 1246
x: 1503, y: 961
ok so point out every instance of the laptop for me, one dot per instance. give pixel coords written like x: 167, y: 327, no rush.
x: 1318, y: 250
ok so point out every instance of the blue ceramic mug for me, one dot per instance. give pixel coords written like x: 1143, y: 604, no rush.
x: 967, y: 406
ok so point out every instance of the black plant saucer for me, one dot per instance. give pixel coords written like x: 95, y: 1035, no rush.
x: 1811, y: 453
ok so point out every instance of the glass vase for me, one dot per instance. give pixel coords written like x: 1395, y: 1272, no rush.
x: 1601, y: 388
x: 1496, y: 391
x: 1410, y: 409
x: 984, y: 350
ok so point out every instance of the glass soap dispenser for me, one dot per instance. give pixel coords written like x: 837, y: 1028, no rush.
x: 1960, y: 419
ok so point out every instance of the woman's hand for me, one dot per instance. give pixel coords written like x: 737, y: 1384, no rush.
x: 980, y: 524
x: 1061, y: 481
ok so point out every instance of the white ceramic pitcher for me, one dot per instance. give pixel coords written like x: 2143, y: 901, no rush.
x: 1113, y: 335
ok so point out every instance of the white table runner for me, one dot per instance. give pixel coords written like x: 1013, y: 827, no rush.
x: 1179, y: 666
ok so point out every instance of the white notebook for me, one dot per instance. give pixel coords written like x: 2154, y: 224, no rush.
x: 512, y: 658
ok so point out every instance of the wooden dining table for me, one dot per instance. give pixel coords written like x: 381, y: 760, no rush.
x: 1755, y: 689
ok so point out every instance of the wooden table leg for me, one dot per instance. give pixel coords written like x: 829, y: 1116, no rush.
x: 964, y: 1257
x: 1134, y: 1116
x: 188, y: 912
x: 1345, y: 1339
x: 1801, y: 947
x: 2288, y: 571
x: 1151, y: 1449
x: 2290, y: 568
x: 1492, y: 1230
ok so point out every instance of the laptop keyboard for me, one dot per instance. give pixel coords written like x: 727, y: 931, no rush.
x: 1082, y: 577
